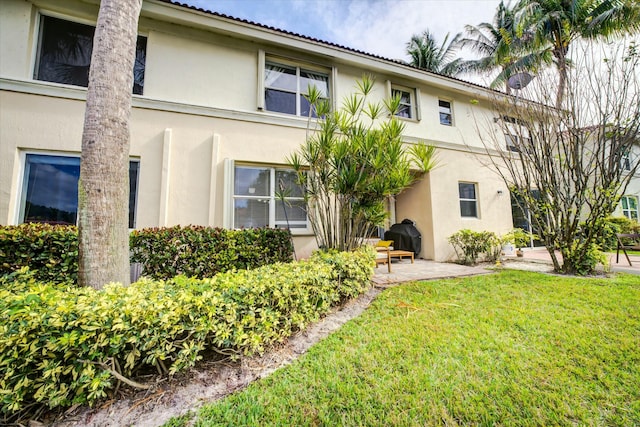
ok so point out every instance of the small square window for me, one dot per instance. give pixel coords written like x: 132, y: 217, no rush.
x: 446, y: 115
x: 468, y: 200
x: 406, y: 108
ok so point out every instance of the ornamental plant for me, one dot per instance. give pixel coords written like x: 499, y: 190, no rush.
x: 352, y: 160
x: 469, y: 244
x: 61, y: 346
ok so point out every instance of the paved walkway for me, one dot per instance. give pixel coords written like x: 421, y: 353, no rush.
x: 533, y: 260
x: 404, y: 271
x: 541, y: 256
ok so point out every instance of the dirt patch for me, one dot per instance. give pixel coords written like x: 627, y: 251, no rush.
x: 210, y: 381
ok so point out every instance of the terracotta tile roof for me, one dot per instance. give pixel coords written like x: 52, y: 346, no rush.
x: 315, y: 40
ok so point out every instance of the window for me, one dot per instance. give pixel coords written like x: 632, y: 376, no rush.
x: 286, y: 85
x: 446, y: 116
x: 50, y: 189
x: 626, y: 161
x: 516, y: 135
x: 64, y: 54
x: 255, y: 201
x: 629, y: 207
x: 468, y: 200
x: 406, y: 109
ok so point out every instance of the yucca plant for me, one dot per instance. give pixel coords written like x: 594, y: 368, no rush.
x: 352, y: 160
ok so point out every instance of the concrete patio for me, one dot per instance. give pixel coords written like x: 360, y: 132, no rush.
x: 534, y: 260
x: 405, y: 271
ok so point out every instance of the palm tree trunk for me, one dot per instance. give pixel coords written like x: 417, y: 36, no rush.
x: 103, y: 188
x: 561, y: 58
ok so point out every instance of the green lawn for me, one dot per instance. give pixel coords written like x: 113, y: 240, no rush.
x: 513, y: 348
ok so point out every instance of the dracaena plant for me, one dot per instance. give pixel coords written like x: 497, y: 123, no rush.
x: 353, y: 159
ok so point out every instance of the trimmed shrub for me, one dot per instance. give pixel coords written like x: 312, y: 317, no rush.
x: 469, y: 244
x: 197, y: 251
x: 50, y: 251
x: 65, y: 346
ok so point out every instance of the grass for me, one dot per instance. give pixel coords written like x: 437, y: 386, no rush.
x: 514, y: 348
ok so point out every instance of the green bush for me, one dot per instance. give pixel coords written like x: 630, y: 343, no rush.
x: 519, y: 237
x: 197, y: 251
x: 67, y: 346
x: 469, y: 244
x: 50, y: 251
x: 607, y: 239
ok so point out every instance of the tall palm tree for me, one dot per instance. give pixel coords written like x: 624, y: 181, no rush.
x: 558, y: 23
x: 103, y: 189
x: 503, y: 45
x: 427, y: 55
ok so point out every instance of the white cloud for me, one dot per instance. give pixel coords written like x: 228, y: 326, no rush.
x: 383, y: 27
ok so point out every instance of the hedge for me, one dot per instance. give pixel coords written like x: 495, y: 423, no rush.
x: 204, y: 251
x: 66, y: 346
x: 52, y: 251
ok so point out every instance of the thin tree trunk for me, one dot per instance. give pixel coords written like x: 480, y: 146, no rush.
x: 562, y: 77
x: 103, y: 189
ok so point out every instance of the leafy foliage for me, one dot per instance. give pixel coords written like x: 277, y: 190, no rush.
x: 51, y: 252
x: 353, y: 159
x: 427, y: 55
x: 469, y: 244
x: 62, y: 346
x: 519, y: 237
x: 556, y: 25
x: 588, y: 141
x: 198, y: 251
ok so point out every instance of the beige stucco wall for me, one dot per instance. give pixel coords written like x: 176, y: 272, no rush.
x: 433, y: 203
x: 199, y: 108
x: 191, y: 147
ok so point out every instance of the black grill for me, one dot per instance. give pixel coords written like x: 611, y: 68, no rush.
x: 405, y: 236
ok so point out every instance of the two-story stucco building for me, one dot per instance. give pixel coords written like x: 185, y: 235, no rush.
x: 217, y: 106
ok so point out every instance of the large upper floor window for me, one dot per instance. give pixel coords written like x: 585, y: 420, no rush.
x: 517, y: 135
x: 630, y: 207
x: 407, y: 102
x: 285, y: 87
x: 64, y: 54
x: 267, y: 197
x: 468, y: 200
x: 50, y: 189
x: 446, y: 112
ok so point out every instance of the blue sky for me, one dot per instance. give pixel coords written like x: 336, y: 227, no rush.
x: 381, y: 27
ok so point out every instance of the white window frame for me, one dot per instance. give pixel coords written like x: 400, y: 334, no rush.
x: 21, y: 194
x: 627, y: 212
x: 517, y: 135
x: 475, y: 201
x: 273, y: 223
x: 413, y: 107
x: 625, y: 161
x: 442, y: 110
x: 264, y: 60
